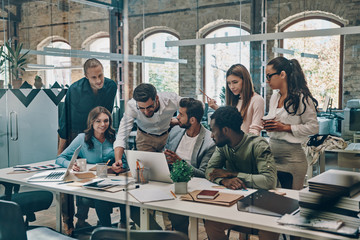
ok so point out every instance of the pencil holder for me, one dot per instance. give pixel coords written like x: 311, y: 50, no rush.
x: 101, y: 170
x: 142, y: 175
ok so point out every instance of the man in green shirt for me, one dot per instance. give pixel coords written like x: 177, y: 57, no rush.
x: 239, y: 161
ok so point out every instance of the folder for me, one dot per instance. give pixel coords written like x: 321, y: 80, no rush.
x: 336, y: 183
x: 224, y: 199
x: 267, y: 203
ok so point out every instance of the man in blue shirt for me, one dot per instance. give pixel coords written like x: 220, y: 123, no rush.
x: 91, y: 91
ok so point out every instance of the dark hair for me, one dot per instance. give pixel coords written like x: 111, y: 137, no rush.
x: 89, y: 132
x: 90, y: 63
x: 228, y: 116
x: 194, y: 108
x: 296, y: 83
x: 247, y: 90
x: 144, y: 91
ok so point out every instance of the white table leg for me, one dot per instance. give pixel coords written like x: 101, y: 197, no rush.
x: 193, y: 221
x: 144, y: 219
x: 58, y: 211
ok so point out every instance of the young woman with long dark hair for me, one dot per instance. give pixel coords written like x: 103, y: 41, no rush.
x: 97, y: 147
x: 292, y: 118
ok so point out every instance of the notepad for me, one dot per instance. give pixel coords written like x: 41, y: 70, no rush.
x: 151, y: 195
x: 208, y: 194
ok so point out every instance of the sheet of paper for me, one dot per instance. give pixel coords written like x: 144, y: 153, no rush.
x: 151, y: 195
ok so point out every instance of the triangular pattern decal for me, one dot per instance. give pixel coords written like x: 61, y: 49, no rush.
x: 26, y: 100
x: 2, y: 92
x: 56, y: 85
x: 53, y: 97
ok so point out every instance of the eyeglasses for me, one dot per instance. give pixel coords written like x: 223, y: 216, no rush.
x: 268, y: 76
x: 143, y: 109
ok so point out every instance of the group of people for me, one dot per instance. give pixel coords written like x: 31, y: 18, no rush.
x: 231, y: 154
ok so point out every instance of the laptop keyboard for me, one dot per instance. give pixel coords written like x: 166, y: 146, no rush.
x: 55, y: 175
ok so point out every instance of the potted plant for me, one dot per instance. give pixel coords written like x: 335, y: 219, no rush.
x: 17, y: 61
x: 181, y: 173
x: 2, y: 63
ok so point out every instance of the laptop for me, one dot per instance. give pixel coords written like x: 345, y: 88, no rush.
x: 155, y: 161
x: 56, y: 176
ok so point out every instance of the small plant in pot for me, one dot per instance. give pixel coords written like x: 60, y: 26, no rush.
x: 181, y: 173
x: 17, y: 61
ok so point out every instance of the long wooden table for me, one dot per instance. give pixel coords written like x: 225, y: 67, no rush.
x: 194, y: 210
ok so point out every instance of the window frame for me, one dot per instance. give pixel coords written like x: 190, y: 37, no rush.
x: 203, y: 49
x: 341, y: 57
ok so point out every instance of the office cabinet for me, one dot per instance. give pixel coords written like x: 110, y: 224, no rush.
x: 28, y: 125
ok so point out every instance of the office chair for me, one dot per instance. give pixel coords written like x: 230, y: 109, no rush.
x: 12, y: 225
x: 286, y: 179
x: 104, y: 233
x: 29, y: 202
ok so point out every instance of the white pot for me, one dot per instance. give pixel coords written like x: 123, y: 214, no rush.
x: 180, y: 187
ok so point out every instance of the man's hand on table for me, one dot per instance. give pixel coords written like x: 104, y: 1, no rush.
x: 233, y: 183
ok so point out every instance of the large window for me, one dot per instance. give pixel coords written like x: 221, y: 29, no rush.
x: 164, y: 76
x: 62, y: 75
x: 323, y: 73
x: 102, y: 45
x: 219, y: 58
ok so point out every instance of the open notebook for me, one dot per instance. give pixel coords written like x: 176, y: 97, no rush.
x: 55, y: 176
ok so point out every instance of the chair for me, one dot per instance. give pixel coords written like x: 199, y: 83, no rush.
x: 12, y: 225
x: 104, y: 233
x: 29, y: 202
x: 286, y: 179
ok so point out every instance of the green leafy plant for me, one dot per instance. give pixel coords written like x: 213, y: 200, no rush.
x: 2, y: 59
x: 222, y: 96
x: 181, y: 171
x: 16, y: 59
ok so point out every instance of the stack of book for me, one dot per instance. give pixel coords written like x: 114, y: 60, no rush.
x: 332, y: 195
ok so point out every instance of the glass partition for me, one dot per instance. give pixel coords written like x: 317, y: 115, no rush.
x: 179, y: 46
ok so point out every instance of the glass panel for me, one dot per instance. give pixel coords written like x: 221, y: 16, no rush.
x: 325, y: 66
x: 220, y: 57
x: 102, y: 45
x: 164, y: 76
x: 61, y: 76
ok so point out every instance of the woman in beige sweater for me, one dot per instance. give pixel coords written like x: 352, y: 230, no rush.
x: 240, y: 94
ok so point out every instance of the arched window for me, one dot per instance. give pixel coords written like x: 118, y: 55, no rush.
x: 323, y: 74
x: 219, y: 58
x: 102, y: 45
x: 164, y: 76
x: 63, y: 74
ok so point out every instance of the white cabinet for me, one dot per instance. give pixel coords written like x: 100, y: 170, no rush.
x: 28, y: 125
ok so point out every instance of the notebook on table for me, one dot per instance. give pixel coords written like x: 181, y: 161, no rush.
x: 56, y: 176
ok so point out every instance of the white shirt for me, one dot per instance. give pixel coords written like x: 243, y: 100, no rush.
x: 301, y: 126
x: 157, y: 124
x: 186, y: 147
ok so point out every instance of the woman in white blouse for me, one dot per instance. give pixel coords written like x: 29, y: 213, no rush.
x: 291, y: 119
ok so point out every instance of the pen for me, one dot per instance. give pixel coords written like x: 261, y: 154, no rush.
x: 65, y: 182
x: 107, y: 162
x: 136, y: 186
x: 173, y: 194
x: 203, y: 93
